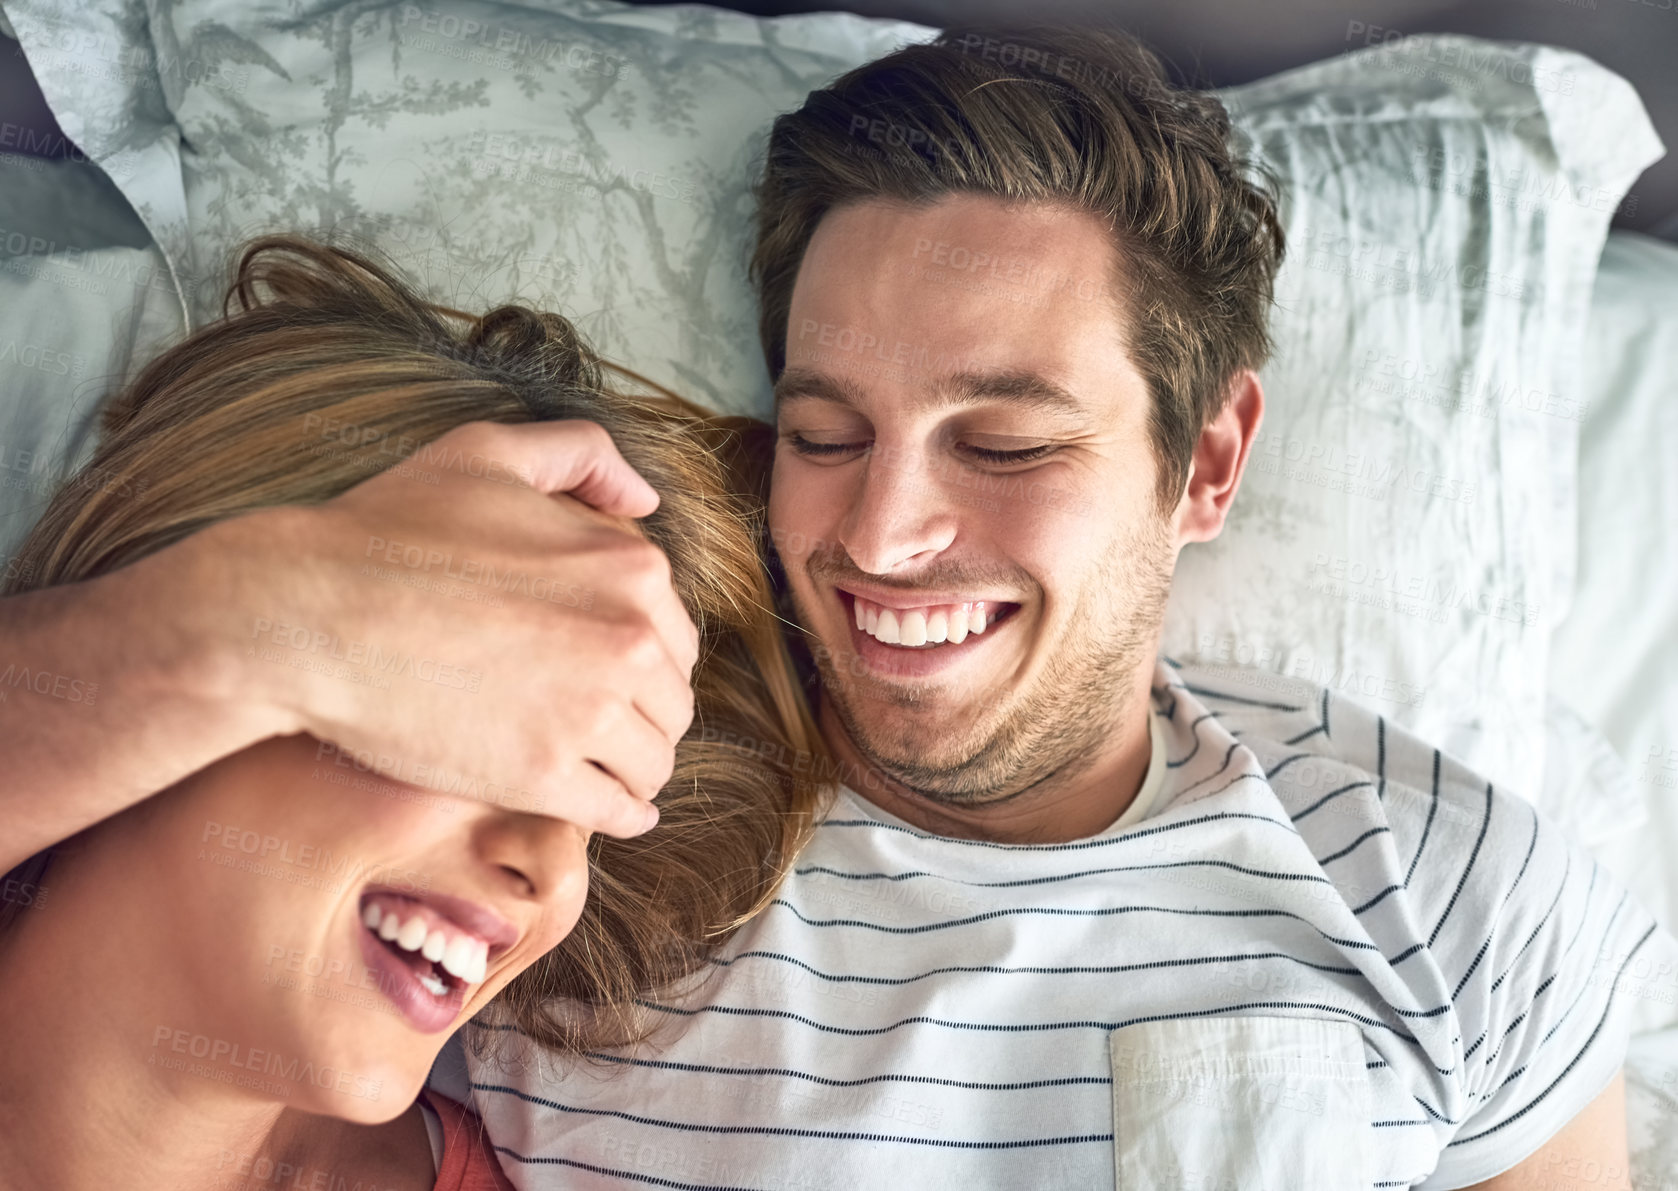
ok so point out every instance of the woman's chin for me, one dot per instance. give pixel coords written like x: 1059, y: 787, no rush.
x: 380, y: 1098
x: 362, y: 1082
x: 393, y: 1104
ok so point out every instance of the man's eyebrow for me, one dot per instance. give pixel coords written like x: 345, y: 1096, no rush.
x: 798, y: 382
x: 1012, y: 386
x: 964, y: 388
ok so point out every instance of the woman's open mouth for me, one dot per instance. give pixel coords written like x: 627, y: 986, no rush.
x: 425, y: 961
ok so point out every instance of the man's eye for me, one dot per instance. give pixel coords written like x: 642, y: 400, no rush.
x: 822, y: 450
x: 1001, y: 458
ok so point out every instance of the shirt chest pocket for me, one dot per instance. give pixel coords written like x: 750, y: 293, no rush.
x: 1240, y: 1104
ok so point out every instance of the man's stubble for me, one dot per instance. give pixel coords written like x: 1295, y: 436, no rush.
x: 994, y: 745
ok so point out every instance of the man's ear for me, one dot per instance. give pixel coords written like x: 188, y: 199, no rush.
x: 1220, y: 458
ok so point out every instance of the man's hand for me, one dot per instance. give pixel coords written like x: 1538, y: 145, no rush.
x: 452, y: 622
x: 572, y: 684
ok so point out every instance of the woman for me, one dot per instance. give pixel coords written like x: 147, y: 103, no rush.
x: 244, y: 980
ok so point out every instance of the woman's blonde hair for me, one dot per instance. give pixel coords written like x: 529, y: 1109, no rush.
x: 230, y: 420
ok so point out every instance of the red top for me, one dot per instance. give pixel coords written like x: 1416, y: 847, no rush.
x: 469, y: 1164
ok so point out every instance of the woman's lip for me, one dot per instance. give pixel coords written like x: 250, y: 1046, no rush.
x: 426, y: 1013
x: 468, y: 916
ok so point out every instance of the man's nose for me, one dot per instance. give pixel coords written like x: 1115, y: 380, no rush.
x: 900, y: 516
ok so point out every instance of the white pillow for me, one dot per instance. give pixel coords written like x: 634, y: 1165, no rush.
x: 1404, y: 532
x: 85, y: 297
x: 1616, y: 655
x: 596, y: 157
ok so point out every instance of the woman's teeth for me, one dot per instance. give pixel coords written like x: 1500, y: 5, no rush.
x: 463, y: 956
x: 932, y: 625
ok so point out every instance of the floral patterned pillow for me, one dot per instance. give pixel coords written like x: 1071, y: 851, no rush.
x: 1405, y: 532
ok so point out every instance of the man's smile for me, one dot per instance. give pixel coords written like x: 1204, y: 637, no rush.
x: 915, y: 635
x: 923, y: 626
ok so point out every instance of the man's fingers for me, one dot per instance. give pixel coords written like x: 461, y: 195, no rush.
x: 647, y: 571
x: 642, y: 576
x: 635, y: 751
x: 681, y: 639
x: 641, y: 663
x: 577, y: 458
x: 626, y: 649
x: 596, y: 801
x: 667, y: 706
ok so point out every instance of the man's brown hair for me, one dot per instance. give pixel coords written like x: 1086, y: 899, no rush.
x: 1085, y: 118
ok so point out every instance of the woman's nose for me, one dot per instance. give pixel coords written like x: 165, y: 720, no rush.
x: 544, y: 859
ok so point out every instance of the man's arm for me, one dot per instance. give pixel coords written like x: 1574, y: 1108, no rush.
x: 107, y: 695
x: 1589, y: 1152
x: 568, y: 691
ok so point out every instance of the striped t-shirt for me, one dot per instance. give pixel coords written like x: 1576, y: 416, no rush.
x: 1315, y: 953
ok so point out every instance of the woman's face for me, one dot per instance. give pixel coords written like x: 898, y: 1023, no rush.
x: 251, y: 908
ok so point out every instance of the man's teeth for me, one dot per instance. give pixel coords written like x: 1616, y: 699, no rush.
x: 931, y: 625
x: 463, y: 956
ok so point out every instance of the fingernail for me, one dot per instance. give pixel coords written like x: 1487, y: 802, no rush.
x: 651, y: 816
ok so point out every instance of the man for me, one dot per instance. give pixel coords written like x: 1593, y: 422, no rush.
x: 1079, y: 914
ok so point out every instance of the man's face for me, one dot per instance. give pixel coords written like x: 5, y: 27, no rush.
x: 963, y: 445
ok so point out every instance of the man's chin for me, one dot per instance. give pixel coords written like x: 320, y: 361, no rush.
x: 910, y: 715
x: 915, y: 703
x: 929, y: 748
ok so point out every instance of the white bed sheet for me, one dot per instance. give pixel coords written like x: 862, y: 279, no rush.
x: 1615, y: 656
